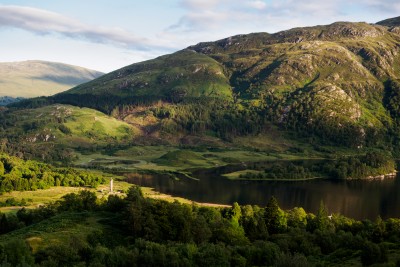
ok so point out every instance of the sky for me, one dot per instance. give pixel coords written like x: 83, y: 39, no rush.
x: 106, y: 35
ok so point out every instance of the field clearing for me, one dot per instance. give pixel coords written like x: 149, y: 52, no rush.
x: 38, y: 197
x: 85, y: 120
x: 151, y: 193
x: 166, y: 158
x: 236, y: 175
x: 46, y: 196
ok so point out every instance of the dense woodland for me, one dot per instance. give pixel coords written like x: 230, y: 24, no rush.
x: 19, y: 175
x: 146, y: 232
x: 371, y: 164
x: 226, y: 119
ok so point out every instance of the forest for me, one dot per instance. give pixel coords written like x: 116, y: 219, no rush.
x: 19, y: 175
x: 227, y: 118
x: 372, y: 164
x: 137, y: 231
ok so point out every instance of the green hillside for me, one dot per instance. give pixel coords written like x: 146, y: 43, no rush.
x: 305, y: 90
x: 175, y: 76
x: 41, y: 78
x: 328, y: 81
x: 50, y: 132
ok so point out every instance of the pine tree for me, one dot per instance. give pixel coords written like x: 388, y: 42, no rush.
x: 275, y: 218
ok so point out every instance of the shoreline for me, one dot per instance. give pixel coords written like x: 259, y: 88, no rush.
x: 377, y: 177
x: 279, y: 180
x: 150, y: 192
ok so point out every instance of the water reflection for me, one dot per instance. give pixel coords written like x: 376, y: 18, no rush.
x: 353, y: 198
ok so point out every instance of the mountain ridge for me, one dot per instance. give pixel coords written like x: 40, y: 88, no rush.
x: 243, y: 43
x: 391, y: 22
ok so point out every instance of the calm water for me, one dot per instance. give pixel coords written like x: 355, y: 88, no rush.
x: 353, y: 198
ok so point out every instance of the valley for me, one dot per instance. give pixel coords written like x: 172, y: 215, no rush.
x: 257, y: 149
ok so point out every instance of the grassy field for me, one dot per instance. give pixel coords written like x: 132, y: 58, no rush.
x: 36, y: 198
x: 159, y: 158
x: 151, y: 193
x: 92, y: 122
x: 236, y: 175
x: 45, y: 196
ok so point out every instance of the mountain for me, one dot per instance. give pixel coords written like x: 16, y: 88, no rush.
x: 5, y: 100
x: 392, y: 22
x: 333, y: 81
x: 327, y: 85
x: 182, y: 74
x: 41, y: 78
x: 257, y: 62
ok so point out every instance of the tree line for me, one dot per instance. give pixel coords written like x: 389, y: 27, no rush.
x: 371, y: 164
x: 149, y: 232
x: 19, y: 175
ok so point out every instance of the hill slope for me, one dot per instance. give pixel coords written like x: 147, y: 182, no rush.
x: 248, y: 64
x: 182, y: 74
x: 51, y: 132
x: 41, y: 78
x: 336, y: 84
x: 332, y: 81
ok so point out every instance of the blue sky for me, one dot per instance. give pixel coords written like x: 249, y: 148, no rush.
x: 106, y: 35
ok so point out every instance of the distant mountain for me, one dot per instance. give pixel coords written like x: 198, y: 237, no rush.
x: 5, y: 100
x: 41, y: 78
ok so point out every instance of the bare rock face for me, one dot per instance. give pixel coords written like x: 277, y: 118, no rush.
x: 332, y: 32
x: 395, y: 30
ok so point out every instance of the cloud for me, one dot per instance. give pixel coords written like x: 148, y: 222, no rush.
x: 386, y: 6
x: 45, y: 22
x: 257, y: 4
x: 274, y: 15
x: 211, y: 14
x: 200, y: 4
